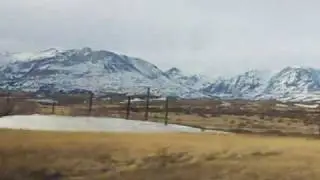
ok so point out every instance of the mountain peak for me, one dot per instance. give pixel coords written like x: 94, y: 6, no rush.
x: 195, y: 82
x: 294, y: 80
x: 174, y: 71
x: 86, y: 50
x: 55, y: 50
x: 296, y: 68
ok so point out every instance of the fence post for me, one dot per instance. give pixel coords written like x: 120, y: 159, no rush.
x: 147, y: 105
x: 53, y: 107
x: 167, y: 109
x: 8, y: 98
x: 128, y: 107
x: 90, y: 102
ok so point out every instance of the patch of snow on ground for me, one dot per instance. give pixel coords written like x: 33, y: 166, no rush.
x: 159, y: 99
x: 88, y: 124
x: 282, y: 105
x: 133, y: 100
x: 307, y: 106
x: 226, y: 104
x: 49, y: 101
x: 143, y: 100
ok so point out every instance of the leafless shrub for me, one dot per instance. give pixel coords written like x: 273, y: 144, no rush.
x: 275, y: 132
x: 179, y: 120
x: 201, y: 114
x: 232, y: 121
x: 48, y: 174
x: 307, y: 122
x: 258, y: 126
x: 266, y: 154
x: 163, y: 158
x: 215, y: 114
x: 242, y: 124
x: 280, y: 120
x: 188, y: 110
x: 211, y: 156
x: 269, y: 118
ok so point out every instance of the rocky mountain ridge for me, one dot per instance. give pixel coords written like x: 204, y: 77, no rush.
x: 103, y: 71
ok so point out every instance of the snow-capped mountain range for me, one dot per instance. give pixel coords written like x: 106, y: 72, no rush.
x: 104, y: 71
x: 97, y: 71
x: 288, y: 84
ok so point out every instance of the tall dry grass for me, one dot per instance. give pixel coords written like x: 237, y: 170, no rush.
x: 171, y: 156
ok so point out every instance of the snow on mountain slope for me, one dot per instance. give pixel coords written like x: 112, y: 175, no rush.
x: 97, y: 71
x: 294, y: 80
x: 289, y: 84
x: 27, y: 56
x: 247, y: 85
x: 105, y: 71
x: 196, y: 82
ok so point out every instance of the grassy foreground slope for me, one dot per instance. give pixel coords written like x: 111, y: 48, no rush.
x: 52, y: 155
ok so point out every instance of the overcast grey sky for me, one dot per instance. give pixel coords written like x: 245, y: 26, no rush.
x: 203, y: 36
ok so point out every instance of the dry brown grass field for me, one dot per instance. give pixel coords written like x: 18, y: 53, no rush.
x: 172, y: 156
x: 48, y: 155
x: 33, y: 155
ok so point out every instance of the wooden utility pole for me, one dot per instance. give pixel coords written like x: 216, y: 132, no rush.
x: 146, y: 115
x: 166, y: 109
x: 128, y: 107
